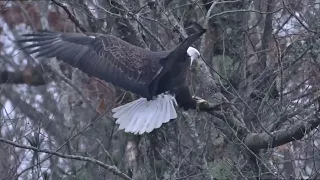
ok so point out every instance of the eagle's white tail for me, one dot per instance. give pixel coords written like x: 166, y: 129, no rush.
x: 142, y: 116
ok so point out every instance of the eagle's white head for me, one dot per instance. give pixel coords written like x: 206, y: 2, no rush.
x: 193, y: 53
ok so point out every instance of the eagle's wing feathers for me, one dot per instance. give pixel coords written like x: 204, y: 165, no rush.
x: 102, y: 56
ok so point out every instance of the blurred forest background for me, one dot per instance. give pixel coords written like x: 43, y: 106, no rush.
x: 260, y: 66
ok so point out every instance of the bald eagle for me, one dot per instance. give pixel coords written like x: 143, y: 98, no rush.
x: 159, y: 78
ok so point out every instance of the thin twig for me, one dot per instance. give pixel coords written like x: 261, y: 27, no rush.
x: 298, y: 19
x: 244, y: 11
x: 149, y: 32
x: 105, y: 150
x: 71, y: 16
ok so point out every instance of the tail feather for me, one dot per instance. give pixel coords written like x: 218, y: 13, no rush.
x: 134, y: 121
x: 128, y: 113
x: 144, y: 126
x: 125, y: 112
x: 172, y: 111
x: 119, y: 110
x: 146, y: 118
x: 168, y: 109
x: 157, y: 117
x: 153, y: 118
x: 142, y: 116
x: 163, y: 113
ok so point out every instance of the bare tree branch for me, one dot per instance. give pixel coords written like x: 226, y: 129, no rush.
x: 30, y: 76
x: 285, y: 135
x: 32, y: 113
x: 298, y: 19
x: 71, y: 16
x: 114, y: 169
x: 244, y: 10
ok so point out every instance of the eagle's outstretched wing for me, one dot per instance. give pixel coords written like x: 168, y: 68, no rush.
x: 103, y: 56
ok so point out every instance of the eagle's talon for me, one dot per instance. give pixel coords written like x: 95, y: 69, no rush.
x: 200, y: 103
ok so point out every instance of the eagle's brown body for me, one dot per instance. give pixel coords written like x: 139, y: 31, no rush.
x: 143, y: 72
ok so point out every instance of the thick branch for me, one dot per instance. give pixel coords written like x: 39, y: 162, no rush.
x: 266, y: 37
x: 283, y: 136
x: 256, y: 141
x: 114, y: 169
x: 226, y: 111
x: 30, y: 76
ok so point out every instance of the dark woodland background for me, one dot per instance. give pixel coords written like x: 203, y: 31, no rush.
x: 261, y: 68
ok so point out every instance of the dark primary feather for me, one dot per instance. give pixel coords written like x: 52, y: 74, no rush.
x: 103, y: 56
x: 108, y: 58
